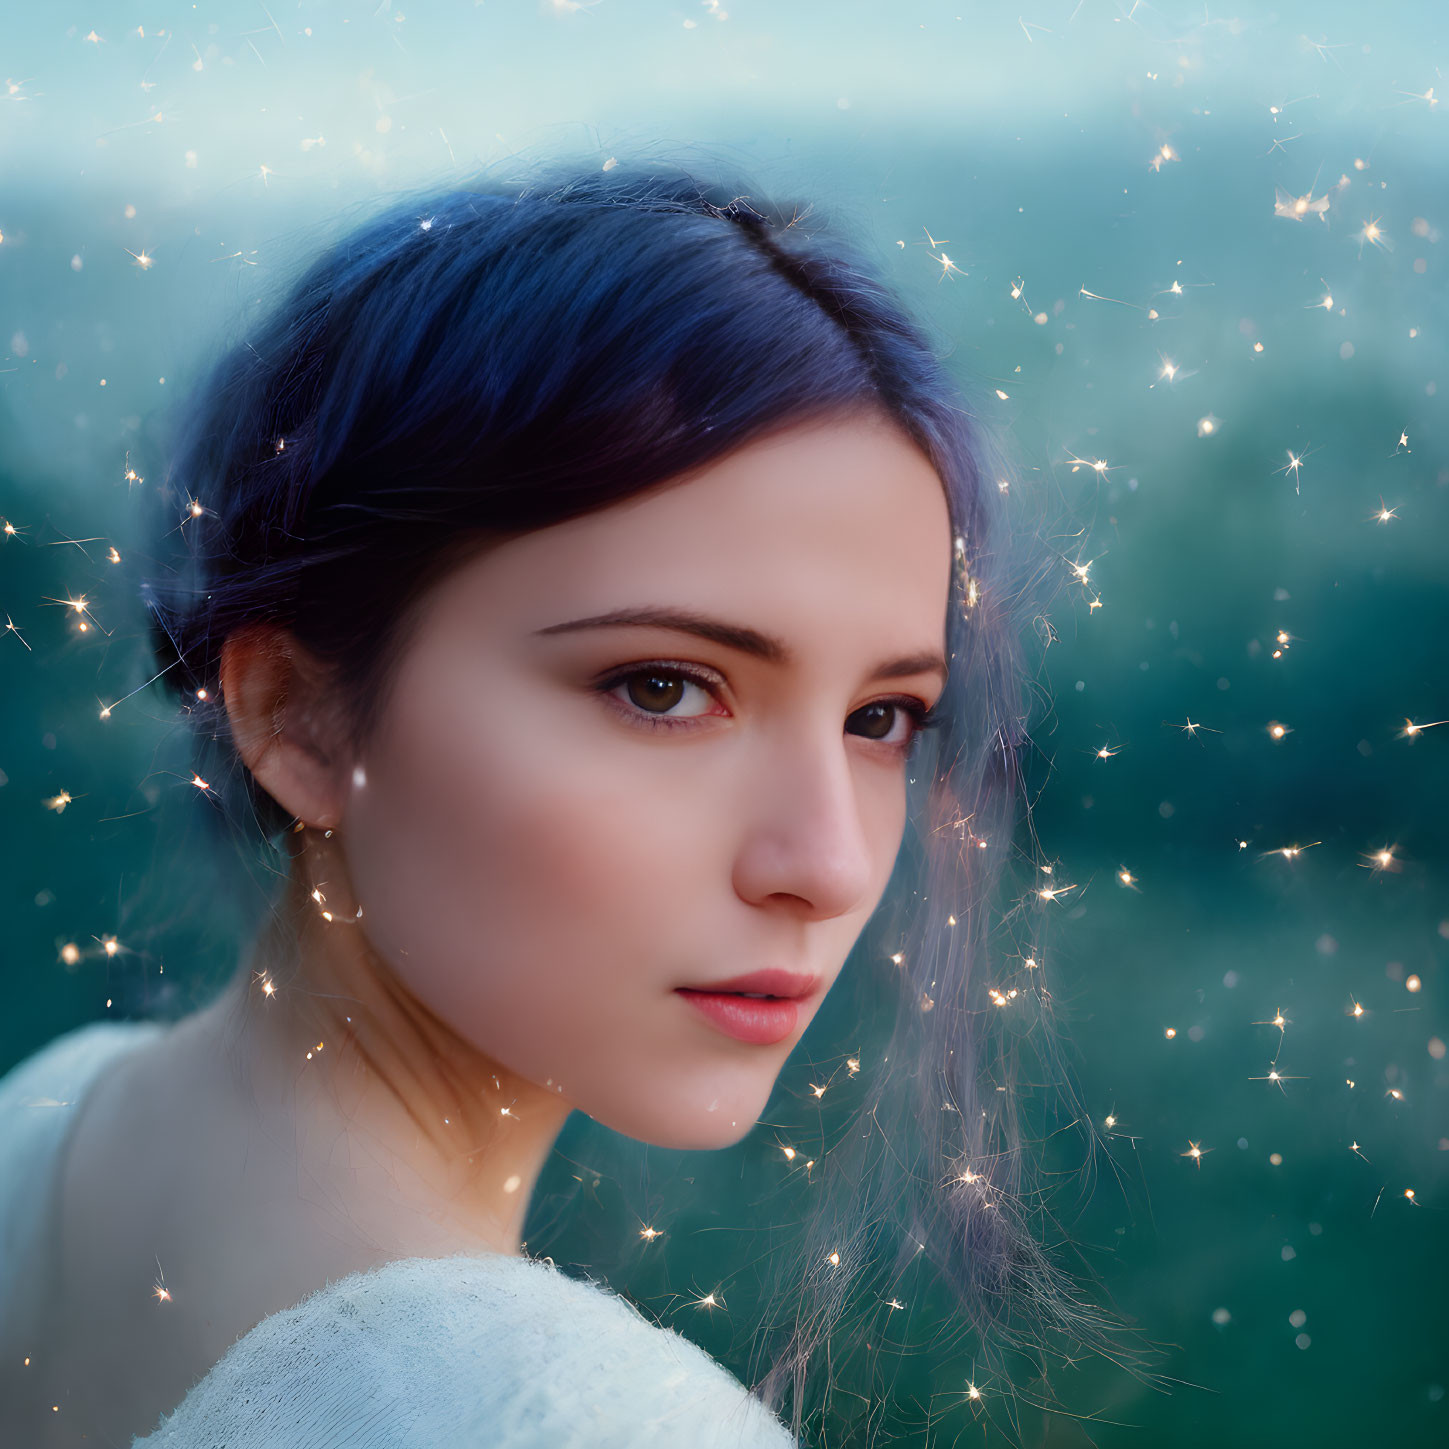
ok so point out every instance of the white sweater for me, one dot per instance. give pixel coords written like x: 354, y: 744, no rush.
x: 476, y: 1351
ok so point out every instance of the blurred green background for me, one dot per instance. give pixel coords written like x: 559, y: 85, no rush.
x: 1084, y: 203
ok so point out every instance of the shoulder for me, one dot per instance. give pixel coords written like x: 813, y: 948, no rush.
x: 492, y: 1351
x: 39, y: 1101
x: 39, y: 1098
x: 56, y: 1074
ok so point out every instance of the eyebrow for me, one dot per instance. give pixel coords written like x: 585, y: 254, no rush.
x: 737, y: 636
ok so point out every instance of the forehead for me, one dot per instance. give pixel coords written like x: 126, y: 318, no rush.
x: 847, y: 516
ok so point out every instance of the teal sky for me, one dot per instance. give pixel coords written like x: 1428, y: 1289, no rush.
x: 183, y: 100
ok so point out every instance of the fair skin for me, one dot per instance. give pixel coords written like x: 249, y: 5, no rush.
x: 537, y: 871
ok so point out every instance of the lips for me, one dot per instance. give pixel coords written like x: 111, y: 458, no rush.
x: 772, y: 981
x: 759, y: 1021
x: 761, y: 1007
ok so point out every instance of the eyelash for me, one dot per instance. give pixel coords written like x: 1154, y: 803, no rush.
x: 922, y: 717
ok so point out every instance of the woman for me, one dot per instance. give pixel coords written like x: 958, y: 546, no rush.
x: 568, y: 575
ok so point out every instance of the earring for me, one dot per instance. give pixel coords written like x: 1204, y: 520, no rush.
x: 332, y: 913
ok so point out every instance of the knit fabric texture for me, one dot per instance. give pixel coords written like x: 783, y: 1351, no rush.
x: 484, y: 1352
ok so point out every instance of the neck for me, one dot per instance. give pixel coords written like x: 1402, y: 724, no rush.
x: 426, y: 1145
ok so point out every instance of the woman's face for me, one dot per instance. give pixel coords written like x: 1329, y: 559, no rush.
x: 542, y: 866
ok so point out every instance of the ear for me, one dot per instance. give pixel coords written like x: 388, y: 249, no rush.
x: 285, y: 721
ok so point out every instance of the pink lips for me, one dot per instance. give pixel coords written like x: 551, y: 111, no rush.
x: 747, y: 1019
x: 761, y: 1023
x: 773, y: 981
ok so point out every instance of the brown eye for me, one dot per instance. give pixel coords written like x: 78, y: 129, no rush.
x: 879, y: 717
x: 655, y: 690
x: 885, y: 715
x: 647, y: 694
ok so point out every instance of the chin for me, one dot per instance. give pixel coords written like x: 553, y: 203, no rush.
x: 699, y: 1122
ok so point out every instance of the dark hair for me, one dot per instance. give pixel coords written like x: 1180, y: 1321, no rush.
x: 498, y: 358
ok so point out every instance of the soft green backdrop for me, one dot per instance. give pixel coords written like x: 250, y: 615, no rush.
x: 1302, y: 1294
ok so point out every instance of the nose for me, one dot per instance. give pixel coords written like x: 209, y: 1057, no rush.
x: 807, y: 834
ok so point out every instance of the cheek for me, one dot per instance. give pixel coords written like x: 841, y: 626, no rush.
x: 527, y: 873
